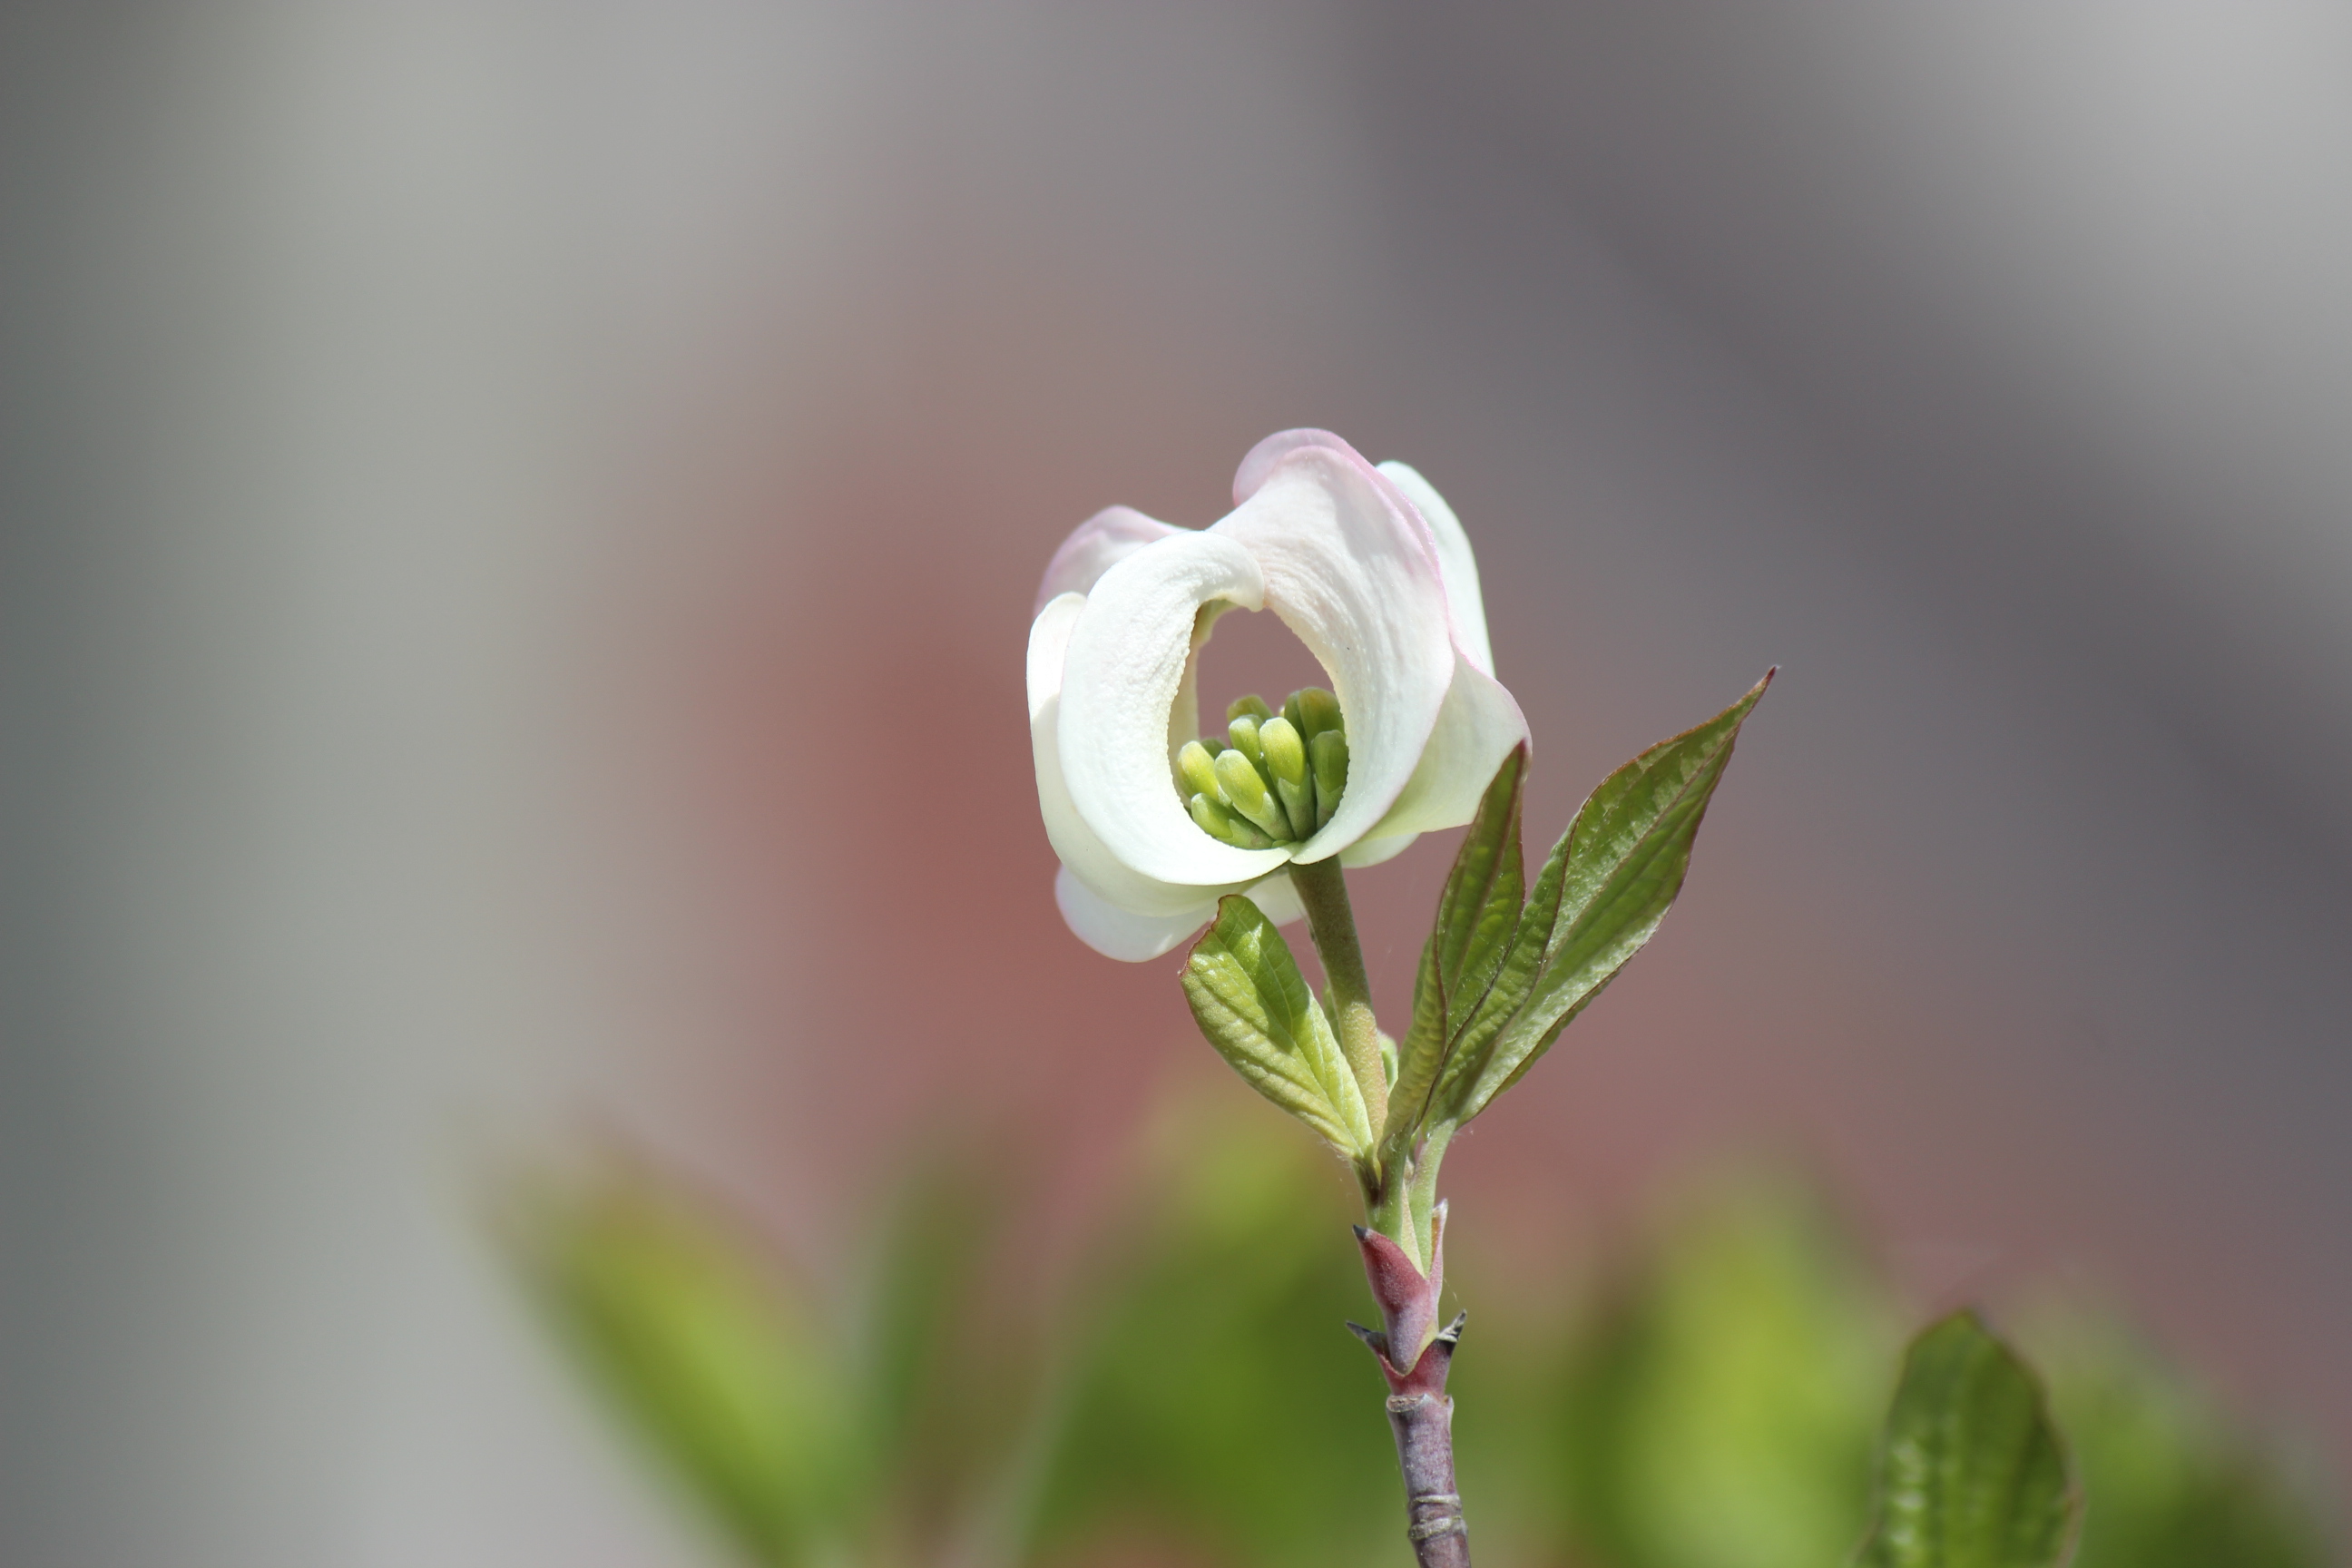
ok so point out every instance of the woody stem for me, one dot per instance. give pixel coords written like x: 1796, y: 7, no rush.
x: 1423, y: 1426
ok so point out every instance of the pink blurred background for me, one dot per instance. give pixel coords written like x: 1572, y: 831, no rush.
x: 520, y: 528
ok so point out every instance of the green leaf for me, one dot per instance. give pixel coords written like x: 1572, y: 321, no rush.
x: 1255, y: 1007
x: 1601, y: 895
x: 702, y: 1352
x: 1476, y: 916
x: 1972, y: 1472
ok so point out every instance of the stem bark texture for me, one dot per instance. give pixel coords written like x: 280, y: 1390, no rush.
x: 1423, y: 1425
x: 1421, y: 1417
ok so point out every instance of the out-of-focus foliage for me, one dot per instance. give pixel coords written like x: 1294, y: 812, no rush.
x: 1215, y: 1403
x: 1721, y: 1412
x: 1714, y: 1402
x: 866, y: 1430
x: 1972, y: 1472
x: 713, y: 1360
x: 2168, y: 1485
x: 1724, y: 1406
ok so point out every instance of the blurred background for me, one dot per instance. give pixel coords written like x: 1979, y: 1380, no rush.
x: 520, y: 528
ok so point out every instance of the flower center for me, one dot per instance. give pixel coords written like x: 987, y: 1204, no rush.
x: 1275, y: 778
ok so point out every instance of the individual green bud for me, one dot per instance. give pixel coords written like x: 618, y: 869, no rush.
x: 1222, y: 824
x: 1254, y: 705
x: 1286, y: 759
x: 1318, y: 710
x: 1329, y: 752
x: 1246, y: 793
x: 1285, y: 752
x: 1241, y: 734
x: 1196, y: 765
x: 1297, y: 804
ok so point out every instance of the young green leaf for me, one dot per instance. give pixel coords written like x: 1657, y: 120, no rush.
x: 1972, y: 1473
x: 1477, y: 915
x: 1601, y: 894
x: 1255, y: 1007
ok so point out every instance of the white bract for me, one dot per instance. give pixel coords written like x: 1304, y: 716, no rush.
x: 1369, y: 569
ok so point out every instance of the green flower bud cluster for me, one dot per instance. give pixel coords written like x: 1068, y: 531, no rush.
x: 1276, y: 778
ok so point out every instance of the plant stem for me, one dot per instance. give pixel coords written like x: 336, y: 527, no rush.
x: 1388, y: 1208
x: 1421, y: 1417
x: 1423, y: 1425
x: 1421, y: 1193
x: 1323, y: 890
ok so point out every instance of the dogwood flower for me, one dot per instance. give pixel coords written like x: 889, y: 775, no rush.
x: 1369, y: 569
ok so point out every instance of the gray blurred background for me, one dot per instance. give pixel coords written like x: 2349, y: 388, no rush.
x: 518, y: 529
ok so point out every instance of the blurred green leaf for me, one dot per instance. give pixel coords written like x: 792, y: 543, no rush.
x: 2167, y: 1481
x: 1254, y: 1008
x: 1601, y: 896
x: 945, y: 1381
x: 713, y: 1362
x: 1719, y: 1412
x: 1972, y: 1472
x: 1475, y: 916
